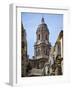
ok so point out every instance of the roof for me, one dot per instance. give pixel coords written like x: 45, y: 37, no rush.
x: 42, y: 26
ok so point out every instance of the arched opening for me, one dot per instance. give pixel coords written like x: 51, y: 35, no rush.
x: 39, y: 37
x: 46, y: 37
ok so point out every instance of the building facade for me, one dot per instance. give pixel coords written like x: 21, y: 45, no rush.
x: 24, y: 56
x: 58, y: 54
x: 56, y: 57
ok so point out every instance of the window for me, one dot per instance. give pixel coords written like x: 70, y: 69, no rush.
x: 37, y: 52
x: 46, y: 37
x: 46, y: 52
x: 39, y: 37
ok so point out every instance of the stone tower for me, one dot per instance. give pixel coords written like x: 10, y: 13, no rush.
x: 42, y: 45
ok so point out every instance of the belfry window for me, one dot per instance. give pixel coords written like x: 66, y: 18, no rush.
x: 39, y: 37
x: 46, y: 52
x: 46, y: 37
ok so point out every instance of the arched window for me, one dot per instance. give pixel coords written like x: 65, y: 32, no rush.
x: 39, y: 37
x: 46, y: 37
x: 37, y: 52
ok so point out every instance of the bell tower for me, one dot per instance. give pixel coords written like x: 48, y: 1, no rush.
x: 42, y: 45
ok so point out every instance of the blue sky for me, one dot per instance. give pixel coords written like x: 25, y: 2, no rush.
x: 32, y: 20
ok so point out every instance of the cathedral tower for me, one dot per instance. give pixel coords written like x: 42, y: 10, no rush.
x: 42, y: 45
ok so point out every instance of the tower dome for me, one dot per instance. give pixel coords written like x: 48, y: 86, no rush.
x: 43, y: 26
x: 42, y: 32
